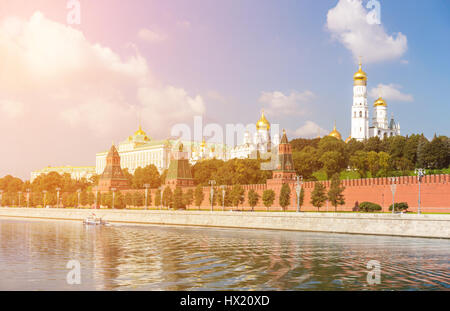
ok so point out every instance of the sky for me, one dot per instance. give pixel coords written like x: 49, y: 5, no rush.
x: 67, y: 91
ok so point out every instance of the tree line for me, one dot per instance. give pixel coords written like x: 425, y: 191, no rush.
x: 319, y: 159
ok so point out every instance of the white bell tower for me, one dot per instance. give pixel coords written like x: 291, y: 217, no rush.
x: 360, y: 108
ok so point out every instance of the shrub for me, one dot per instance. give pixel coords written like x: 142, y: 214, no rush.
x: 369, y: 207
x: 401, y: 206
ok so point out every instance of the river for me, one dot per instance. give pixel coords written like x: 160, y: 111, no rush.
x: 34, y: 256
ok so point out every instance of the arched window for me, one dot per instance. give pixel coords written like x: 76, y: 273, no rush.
x: 360, y: 114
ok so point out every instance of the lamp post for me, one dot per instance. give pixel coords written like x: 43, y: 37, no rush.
x: 78, y: 198
x: 114, y: 196
x: 44, y: 199
x: 28, y: 198
x: 57, y: 196
x: 96, y: 197
x: 223, y: 197
x: 393, y: 189
x: 161, y: 194
x: 146, y: 194
x: 212, y: 183
x: 420, y: 173
x: 299, y: 189
x: 20, y: 194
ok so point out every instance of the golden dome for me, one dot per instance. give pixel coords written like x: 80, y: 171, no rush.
x: 334, y: 133
x: 140, y: 132
x: 348, y: 139
x: 360, y: 75
x: 203, y: 145
x: 380, y: 102
x: 262, y: 123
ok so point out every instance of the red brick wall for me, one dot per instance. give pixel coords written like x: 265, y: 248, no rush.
x: 435, y: 193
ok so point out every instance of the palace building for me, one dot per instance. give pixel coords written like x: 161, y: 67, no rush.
x: 139, y: 150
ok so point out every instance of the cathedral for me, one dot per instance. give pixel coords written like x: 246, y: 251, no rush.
x: 381, y: 126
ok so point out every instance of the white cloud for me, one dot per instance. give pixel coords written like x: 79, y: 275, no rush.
x: 11, y: 108
x: 309, y: 130
x: 348, y: 23
x: 151, y: 36
x: 84, y: 84
x: 277, y: 103
x: 390, y: 92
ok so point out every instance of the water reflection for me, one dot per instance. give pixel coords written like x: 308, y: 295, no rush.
x: 34, y: 254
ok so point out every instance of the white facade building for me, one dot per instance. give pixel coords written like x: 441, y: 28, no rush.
x: 76, y: 172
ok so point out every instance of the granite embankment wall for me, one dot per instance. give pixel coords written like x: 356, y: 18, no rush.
x: 435, y: 226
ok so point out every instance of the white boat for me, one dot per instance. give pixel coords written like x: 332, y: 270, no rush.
x: 93, y: 220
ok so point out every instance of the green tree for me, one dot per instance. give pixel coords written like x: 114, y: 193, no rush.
x: 147, y: 175
x: 336, y: 192
x: 373, y: 163
x: 359, y: 162
x: 331, y: 162
x: 285, y: 196
x: 84, y: 198
x: 237, y: 195
x: 138, y: 198
x: 119, y: 200
x: 91, y: 198
x: 384, y: 164
x: 167, y: 197
x: 128, y: 199
x: 253, y: 198
x: 158, y: 198
x: 178, y: 201
x: 302, y: 197
x: 188, y: 197
x: 107, y: 199
x: 306, y: 162
x: 268, y: 198
x: 318, y: 196
x: 199, y: 195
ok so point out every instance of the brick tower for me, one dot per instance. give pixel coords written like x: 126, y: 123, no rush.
x: 284, y: 171
x: 179, y: 173
x: 112, y: 176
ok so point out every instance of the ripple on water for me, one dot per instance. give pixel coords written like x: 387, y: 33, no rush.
x: 33, y: 256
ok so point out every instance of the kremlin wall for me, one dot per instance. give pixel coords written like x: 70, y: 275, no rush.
x: 435, y: 194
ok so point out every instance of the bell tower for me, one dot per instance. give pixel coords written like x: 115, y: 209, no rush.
x: 360, y: 108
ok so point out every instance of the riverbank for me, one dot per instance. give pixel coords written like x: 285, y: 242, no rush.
x: 429, y: 226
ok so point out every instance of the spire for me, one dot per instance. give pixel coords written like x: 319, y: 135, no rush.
x: 284, y: 139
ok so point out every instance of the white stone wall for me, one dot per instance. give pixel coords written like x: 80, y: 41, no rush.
x: 412, y: 225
